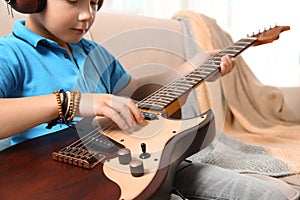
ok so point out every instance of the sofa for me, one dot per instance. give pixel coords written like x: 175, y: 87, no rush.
x: 140, y: 42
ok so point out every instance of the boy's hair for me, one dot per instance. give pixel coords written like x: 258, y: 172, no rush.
x: 33, y: 6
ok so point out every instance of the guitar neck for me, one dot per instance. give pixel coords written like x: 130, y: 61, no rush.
x: 164, y: 97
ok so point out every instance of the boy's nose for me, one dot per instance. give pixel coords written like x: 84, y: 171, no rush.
x: 86, y: 12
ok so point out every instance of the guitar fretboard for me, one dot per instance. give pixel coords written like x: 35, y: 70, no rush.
x: 161, y: 99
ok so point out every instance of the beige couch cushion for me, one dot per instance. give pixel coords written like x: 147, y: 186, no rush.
x: 7, y: 20
x: 144, y: 45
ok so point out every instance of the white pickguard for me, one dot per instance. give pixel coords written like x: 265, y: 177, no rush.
x: 155, y: 134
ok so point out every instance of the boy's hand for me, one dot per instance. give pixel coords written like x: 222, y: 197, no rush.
x: 227, y: 65
x: 121, y: 110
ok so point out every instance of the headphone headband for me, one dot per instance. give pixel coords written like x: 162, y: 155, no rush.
x: 33, y: 6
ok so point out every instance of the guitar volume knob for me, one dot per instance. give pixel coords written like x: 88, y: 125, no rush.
x: 124, y: 156
x: 136, y: 168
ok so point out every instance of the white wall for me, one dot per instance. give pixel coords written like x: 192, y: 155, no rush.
x: 274, y: 64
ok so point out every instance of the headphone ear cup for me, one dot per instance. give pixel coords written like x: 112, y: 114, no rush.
x: 100, y: 3
x: 33, y: 6
x: 27, y: 6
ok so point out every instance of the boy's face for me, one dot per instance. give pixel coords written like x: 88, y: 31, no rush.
x: 65, y: 20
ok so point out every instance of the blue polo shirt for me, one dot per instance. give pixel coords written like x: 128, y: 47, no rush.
x: 31, y: 65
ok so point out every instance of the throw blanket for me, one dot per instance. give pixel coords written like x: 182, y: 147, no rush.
x: 261, y: 134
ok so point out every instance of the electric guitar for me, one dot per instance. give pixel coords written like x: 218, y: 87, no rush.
x: 102, y: 162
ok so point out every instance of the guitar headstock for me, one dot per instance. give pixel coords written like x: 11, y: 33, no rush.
x: 268, y: 36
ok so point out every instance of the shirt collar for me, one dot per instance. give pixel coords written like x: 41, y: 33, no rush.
x: 27, y: 35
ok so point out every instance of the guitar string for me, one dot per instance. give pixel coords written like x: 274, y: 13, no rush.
x: 139, y: 104
x: 200, y: 69
x: 99, y: 132
x: 107, y: 126
x: 86, y: 138
x: 232, y: 51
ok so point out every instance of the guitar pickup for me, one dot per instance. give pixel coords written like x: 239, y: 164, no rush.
x: 150, y: 116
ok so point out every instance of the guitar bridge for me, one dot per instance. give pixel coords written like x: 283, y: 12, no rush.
x: 78, y: 157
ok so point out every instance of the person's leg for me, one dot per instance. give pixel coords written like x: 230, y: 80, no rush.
x: 293, y: 180
x: 201, y: 181
x: 285, y: 186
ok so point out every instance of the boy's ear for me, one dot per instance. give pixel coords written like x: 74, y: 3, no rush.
x: 33, y: 6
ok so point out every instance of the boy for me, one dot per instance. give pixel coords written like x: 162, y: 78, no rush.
x: 47, y: 52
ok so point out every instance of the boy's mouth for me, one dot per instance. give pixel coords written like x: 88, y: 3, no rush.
x: 79, y: 31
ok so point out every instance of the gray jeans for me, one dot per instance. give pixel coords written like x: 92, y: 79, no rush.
x: 202, y: 181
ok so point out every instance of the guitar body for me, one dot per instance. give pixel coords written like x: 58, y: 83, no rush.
x: 28, y: 171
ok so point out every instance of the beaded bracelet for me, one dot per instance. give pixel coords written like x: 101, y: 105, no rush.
x: 60, y: 109
x: 68, y: 104
x: 65, y: 100
x: 71, y: 102
x: 74, y: 104
x: 67, y: 107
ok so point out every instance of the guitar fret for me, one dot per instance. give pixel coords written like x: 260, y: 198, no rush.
x: 236, y: 48
x: 157, y: 99
x: 202, y: 71
x: 174, y: 93
x: 152, y: 102
x: 171, y: 94
x: 151, y: 107
x: 167, y: 99
x: 177, y: 89
x: 168, y: 95
x: 161, y: 102
x: 158, y: 104
x: 235, y: 51
x: 216, y: 62
x: 195, y: 74
x: 205, y: 75
x: 240, y: 45
x: 163, y: 99
x: 180, y: 83
x: 183, y: 83
x: 244, y: 42
x: 210, y: 66
x: 231, y: 53
x: 191, y: 80
x: 165, y: 96
x: 206, y: 72
x: 181, y: 88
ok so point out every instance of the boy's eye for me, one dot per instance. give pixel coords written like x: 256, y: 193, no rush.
x: 73, y: 1
x: 93, y: 2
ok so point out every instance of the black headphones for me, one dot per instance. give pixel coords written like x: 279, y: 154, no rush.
x: 33, y: 6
